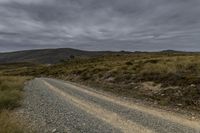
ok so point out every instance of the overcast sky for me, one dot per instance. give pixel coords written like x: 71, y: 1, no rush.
x: 100, y: 24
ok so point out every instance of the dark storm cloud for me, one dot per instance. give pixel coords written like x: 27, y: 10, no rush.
x: 100, y: 24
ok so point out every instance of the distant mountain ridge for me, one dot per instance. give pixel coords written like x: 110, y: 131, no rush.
x: 53, y: 56
x: 46, y: 56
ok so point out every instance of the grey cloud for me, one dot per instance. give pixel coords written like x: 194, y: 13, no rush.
x: 100, y: 24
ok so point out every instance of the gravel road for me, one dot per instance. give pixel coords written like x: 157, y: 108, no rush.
x: 52, y: 105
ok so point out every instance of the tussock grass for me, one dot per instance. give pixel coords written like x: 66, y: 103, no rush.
x: 123, y: 74
x: 8, y: 123
x: 10, y: 91
x: 10, y: 95
x: 181, y: 71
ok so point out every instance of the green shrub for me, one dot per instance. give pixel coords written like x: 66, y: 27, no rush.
x: 129, y: 63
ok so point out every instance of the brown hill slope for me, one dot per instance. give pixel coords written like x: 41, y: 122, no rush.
x: 46, y: 56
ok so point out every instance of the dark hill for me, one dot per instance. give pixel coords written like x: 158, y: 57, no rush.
x: 46, y: 56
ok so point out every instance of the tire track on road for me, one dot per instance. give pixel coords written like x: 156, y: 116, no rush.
x: 161, y: 121
x: 114, y: 119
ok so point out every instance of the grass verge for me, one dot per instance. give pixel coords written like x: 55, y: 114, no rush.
x: 11, y: 91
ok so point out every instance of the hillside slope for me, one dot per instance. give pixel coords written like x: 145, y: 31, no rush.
x: 45, y: 56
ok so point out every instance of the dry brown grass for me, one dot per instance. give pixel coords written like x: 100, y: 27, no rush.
x: 11, y: 89
x: 123, y: 74
x: 9, y: 124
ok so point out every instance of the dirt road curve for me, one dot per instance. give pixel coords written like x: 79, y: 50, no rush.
x: 56, y: 106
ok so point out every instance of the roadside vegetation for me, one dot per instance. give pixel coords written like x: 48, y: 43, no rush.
x: 168, y: 78
x: 11, y: 89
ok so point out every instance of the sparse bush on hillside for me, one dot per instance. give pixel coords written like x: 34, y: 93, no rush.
x: 174, y: 71
x: 124, y: 74
x: 129, y: 63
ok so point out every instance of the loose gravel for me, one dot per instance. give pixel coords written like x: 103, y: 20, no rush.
x: 47, y: 111
x: 152, y: 122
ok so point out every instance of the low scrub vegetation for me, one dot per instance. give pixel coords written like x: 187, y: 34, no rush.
x: 10, y: 95
x: 181, y: 71
x: 176, y: 74
x: 9, y: 124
